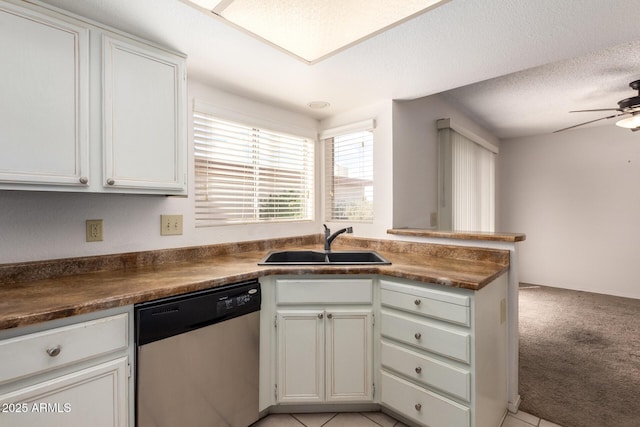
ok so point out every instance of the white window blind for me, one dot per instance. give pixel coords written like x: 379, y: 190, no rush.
x: 245, y: 174
x: 349, y: 177
x: 467, y: 183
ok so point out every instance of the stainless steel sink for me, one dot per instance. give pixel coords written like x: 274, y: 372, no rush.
x: 324, y: 258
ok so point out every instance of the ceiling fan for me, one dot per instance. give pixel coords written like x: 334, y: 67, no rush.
x: 628, y: 106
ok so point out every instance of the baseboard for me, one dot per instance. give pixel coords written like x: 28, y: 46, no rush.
x: 513, y: 406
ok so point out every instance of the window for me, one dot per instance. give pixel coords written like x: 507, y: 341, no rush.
x: 349, y: 176
x: 466, y: 180
x: 246, y: 174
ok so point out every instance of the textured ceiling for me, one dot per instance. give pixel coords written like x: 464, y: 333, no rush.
x: 591, y: 44
x: 538, y: 100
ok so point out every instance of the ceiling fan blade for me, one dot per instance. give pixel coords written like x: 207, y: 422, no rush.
x: 601, y: 109
x: 590, y: 121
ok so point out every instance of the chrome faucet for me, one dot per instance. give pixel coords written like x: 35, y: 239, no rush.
x: 330, y: 238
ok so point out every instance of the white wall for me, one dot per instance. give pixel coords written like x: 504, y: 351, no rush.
x: 415, y: 157
x: 382, y: 163
x: 576, y: 195
x: 51, y: 225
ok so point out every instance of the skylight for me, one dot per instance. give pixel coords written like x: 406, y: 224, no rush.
x: 313, y: 30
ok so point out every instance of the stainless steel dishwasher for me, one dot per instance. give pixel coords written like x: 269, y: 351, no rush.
x: 197, y: 358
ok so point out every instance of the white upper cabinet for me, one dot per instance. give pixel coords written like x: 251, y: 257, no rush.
x: 143, y: 118
x: 88, y: 108
x: 43, y: 107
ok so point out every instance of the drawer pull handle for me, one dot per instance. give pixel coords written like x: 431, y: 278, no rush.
x: 53, y: 352
x: 111, y: 181
x: 418, y: 369
x: 329, y: 316
x: 417, y: 335
x: 320, y: 315
x: 417, y: 302
x: 418, y: 406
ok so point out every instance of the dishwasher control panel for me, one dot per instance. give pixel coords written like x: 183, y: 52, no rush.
x: 164, y: 318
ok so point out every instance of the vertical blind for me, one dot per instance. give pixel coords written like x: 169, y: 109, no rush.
x: 473, y: 185
x: 466, y: 183
x: 349, y: 177
x: 246, y: 174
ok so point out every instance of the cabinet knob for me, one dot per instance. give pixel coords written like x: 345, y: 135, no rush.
x: 329, y: 316
x: 54, y: 351
x: 320, y: 315
x: 417, y: 302
x: 417, y: 335
x: 418, y: 369
x: 418, y: 406
x: 84, y: 180
x: 111, y: 181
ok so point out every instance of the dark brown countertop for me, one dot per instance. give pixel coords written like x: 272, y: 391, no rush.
x: 128, y: 280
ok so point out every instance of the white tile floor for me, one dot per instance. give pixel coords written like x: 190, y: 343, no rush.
x: 375, y: 419
x: 522, y: 419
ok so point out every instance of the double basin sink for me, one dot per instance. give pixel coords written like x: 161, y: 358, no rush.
x: 324, y: 258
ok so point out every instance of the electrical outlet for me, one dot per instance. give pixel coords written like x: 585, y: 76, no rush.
x: 433, y: 219
x: 170, y: 225
x: 503, y: 311
x: 94, y: 230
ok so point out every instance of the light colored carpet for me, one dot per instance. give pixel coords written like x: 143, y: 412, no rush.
x: 579, y: 357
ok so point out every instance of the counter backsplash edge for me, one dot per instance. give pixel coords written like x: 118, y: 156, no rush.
x: 48, y: 269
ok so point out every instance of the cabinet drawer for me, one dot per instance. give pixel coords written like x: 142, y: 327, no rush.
x: 422, y: 406
x: 95, y: 396
x: 427, y: 335
x: 53, y: 348
x: 426, y: 302
x: 426, y: 370
x: 324, y: 291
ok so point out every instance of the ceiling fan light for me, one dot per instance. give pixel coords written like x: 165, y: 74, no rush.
x: 630, y: 122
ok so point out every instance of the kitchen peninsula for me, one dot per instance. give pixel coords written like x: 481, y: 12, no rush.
x: 460, y: 309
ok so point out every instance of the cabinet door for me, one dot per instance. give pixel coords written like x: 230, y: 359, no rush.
x: 44, y: 106
x: 349, y: 355
x: 96, y: 396
x: 144, y: 115
x: 300, y: 356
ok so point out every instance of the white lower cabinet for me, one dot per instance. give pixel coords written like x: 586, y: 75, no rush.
x: 75, y: 374
x: 422, y: 405
x: 324, y: 355
x: 443, y: 353
x: 300, y: 356
x: 96, y: 396
x: 323, y: 340
x: 430, y: 355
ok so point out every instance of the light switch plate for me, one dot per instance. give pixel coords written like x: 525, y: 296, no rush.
x: 170, y: 225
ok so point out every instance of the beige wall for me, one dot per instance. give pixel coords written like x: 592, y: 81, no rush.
x: 576, y: 195
x: 415, y: 157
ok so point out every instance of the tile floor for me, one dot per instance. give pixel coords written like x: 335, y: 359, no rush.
x: 375, y: 419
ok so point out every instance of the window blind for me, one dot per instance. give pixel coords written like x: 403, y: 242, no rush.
x: 349, y: 177
x: 473, y: 185
x: 246, y: 174
x: 467, y: 183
